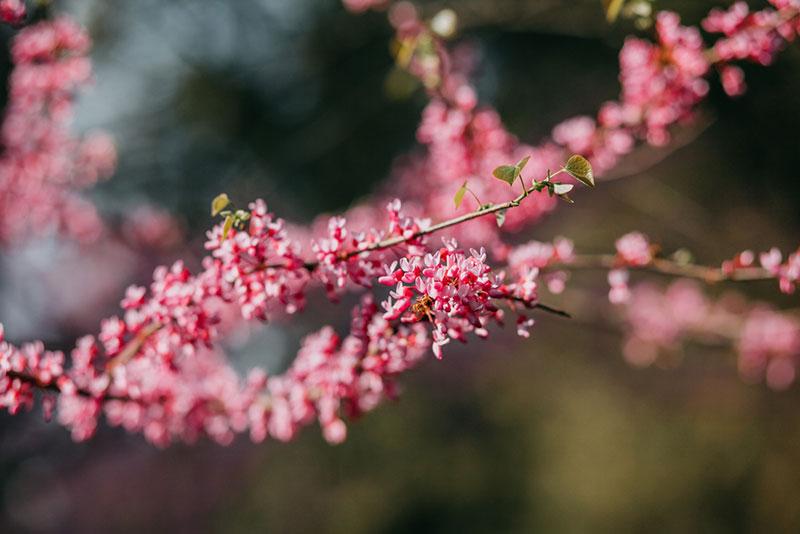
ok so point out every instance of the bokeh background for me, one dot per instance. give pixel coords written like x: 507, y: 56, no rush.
x: 288, y: 100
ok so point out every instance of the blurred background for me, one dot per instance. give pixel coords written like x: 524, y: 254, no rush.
x: 288, y: 100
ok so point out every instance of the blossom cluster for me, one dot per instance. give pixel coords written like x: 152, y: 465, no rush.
x: 663, y: 82
x: 12, y: 11
x: 333, y: 378
x: 451, y: 290
x: 261, y: 268
x: 527, y: 263
x: 633, y: 250
x: 32, y: 359
x: 754, y: 36
x: 158, y: 369
x: 42, y: 163
x: 788, y: 273
x: 349, y: 257
x: 660, y: 322
x: 265, y: 270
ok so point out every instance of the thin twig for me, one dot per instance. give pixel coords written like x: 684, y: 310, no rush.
x: 55, y: 388
x: 709, y: 275
x: 554, y: 311
x: 399, y: 240
x: 127, y: 353
x: 132, y: 348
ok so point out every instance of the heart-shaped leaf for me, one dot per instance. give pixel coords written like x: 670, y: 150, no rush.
x: 226, y: 228
x: 507, y: 173
x: 580, y: 169
x: 459, y: 198
x: 219, y: 203
x: 613, y: 7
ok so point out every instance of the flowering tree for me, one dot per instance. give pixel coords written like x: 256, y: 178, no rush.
x: 443, y: 254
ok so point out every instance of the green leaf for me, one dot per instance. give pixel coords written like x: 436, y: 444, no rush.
x: 400, y: 84
x: 562, y: 189
x: 507, y: 173
x: 613, y: 8
x: 521, y: 165
x: 459, y: 198
x: 500, y: 217
x: 683, y: 256
x: 219, y: 203
x: 579, y: 168
x: 226, y: 228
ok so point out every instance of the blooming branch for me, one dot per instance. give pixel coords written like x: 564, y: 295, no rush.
x: 159, y: 371
x: 669, y: 267
x: 663, y: 84
x: 42, y: 164
x: 658, y: 323
x: 157, y: 368
x: 636, y: 252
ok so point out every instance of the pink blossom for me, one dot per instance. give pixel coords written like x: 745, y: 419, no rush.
x: 157, y: 370
x: 527, y: 260
x: 733, y: 80
x: 451, y: 290
x: 618, y: 280
x: 157, y: 367
x: 742, y: 260
x: 770, y: 348
x: 43, y: 164
x: 260, y: 268
x: 787, y: 273
x: 151, y: 227
x: 767, y: 341
x: 662, y: 83
x: 358, y: 6
x: 12, y: 11
x: 634, y: 250
x: 756, y: 36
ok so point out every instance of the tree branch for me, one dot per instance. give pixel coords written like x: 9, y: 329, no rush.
x: 709, y: 275
x: 55, y: 388
x: 399, y: 240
